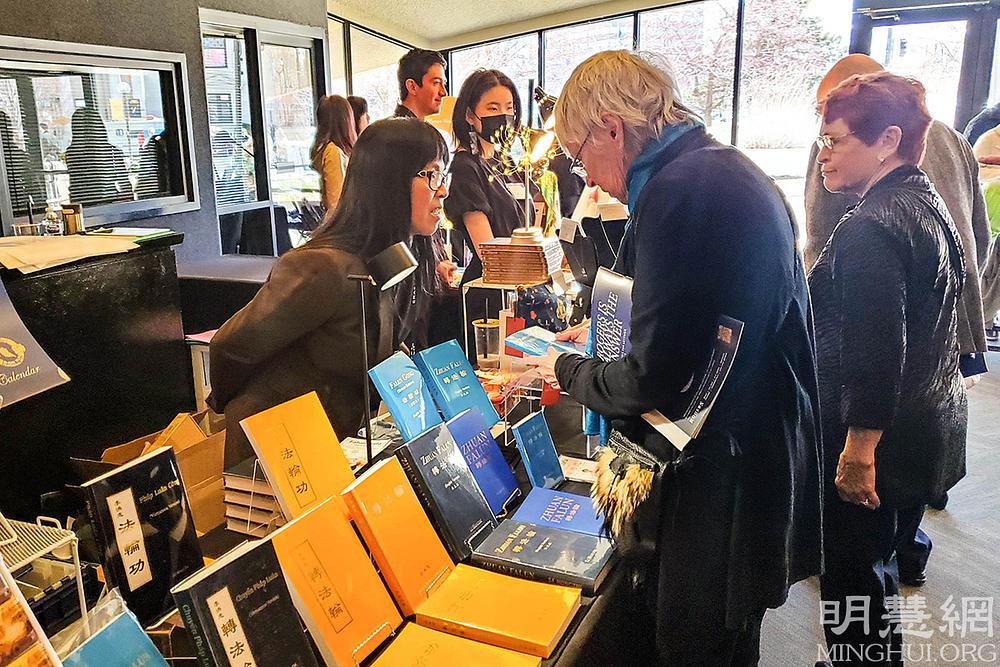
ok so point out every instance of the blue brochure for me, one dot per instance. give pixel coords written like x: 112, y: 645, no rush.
x: 121, y: 642
x: 405, y: 393
x: 538, y: 451
x: 536, y: 341
x: 452, y: 381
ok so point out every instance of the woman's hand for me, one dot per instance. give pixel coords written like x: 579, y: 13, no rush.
x: 578, y: 334
x: 547, y: 367
x: 446, y: 269
x: 855, y: 480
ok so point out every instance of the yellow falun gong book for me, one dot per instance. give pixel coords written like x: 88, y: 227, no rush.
x: 300, y: 454
x: 522, y: 615
x: 410, y: 555
x: 334, y: 585
x: 417, y: 645
x: 517, y: 614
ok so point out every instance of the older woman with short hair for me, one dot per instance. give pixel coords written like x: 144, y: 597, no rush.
x: 730, y: 522
x: 893, y: 402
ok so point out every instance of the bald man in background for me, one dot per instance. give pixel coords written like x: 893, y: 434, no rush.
x: 952, y: 169
x: 954, y: 172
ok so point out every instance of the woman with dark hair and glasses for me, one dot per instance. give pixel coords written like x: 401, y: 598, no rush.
x: 302, y: 332
x: 892, y: 400
x: 480, y: 205
x: 335, y: 136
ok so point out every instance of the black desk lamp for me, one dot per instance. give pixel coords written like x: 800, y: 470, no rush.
x: 386, y: 269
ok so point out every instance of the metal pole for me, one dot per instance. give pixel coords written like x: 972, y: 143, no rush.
x: 362, y: 280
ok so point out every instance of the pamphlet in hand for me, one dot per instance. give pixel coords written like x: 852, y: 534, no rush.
x: 536, y: 341
x: 704, y: 387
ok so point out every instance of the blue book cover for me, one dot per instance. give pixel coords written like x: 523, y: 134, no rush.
x: 121, y: 642
x: 448, y: 491
x: 536, y: 341
x: 481, y: 452
x: 405, y: 393
x: 558, y: 509
x: 522, y: 549
x: 453, y: 383
x: 538, y: 451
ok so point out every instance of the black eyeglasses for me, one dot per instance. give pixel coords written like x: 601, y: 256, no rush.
x: 576, y: 165
x: 435, y: 178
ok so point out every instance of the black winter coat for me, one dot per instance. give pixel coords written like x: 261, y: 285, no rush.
x: 884, y: 291
x: 711, y: 235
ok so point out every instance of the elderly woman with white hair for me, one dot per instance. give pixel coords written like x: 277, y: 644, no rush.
x: 724, y: 527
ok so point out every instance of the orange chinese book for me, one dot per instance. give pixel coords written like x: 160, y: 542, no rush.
x: 334, y: 585
x: 417, y: 645
x: 516, y: 614
x: 522, y: 615
x: 300, y: 454
x: 388, y: 515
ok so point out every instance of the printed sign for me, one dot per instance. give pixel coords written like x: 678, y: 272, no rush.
x: 25, y: 369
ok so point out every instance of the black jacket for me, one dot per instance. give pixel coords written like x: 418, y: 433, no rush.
x: 711, y: 235
x: 884, y: 291
x: 300, y: 333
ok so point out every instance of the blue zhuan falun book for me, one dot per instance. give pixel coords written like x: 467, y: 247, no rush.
x: 453, y: 383
x: 558, y: 509
x: 405, y: 393
x: 538, y: 451
x: 481, y: 452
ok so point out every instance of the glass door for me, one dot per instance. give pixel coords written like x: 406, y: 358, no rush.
x: 929, y: 52
x: 947, y: 46
x: 288, y: 96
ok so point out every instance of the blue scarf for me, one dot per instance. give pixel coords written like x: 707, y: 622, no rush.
x: 639, y: 173
x: 646, y: 163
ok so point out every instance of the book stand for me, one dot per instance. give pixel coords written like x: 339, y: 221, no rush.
x: 269, y: 527
x: 354, y: 653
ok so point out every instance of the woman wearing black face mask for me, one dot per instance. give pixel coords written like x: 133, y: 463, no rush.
x: 479, y: 202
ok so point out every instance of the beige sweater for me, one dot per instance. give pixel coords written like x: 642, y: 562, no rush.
x: 954, y: 173
x: 334, y: 165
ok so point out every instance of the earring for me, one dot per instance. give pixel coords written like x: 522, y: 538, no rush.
x: 881, y: 159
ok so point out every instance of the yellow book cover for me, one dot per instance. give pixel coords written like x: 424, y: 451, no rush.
x: 521, y: 615
x: 418, y: 645
x: 389, y: 516
x: 300, y: 454
x: 334, y: 585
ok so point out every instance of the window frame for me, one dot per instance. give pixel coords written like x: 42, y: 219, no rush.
x: 34, y: 52
x: 257, y: 31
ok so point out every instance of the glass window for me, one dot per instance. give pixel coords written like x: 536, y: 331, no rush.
x: 931, y: 52
x: 699, y: 42
x: 228, y: 95
x: 789, y: 45
x: 289, y: 124
x: 516, y: 57
x: 338, y: 63
x: 89, y: 134
x: 565, y: 48
x: 373, y: 72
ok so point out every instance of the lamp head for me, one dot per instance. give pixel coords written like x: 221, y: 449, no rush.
x: 392, y: 265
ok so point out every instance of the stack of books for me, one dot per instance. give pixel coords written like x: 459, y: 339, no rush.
x: 508, y: 262
x: 251, y: 508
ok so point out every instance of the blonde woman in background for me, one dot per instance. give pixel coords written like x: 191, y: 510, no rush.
x: 335, y: 137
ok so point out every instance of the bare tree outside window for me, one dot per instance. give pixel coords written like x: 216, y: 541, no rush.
x: 516, y: 57
x: 699, y: 42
